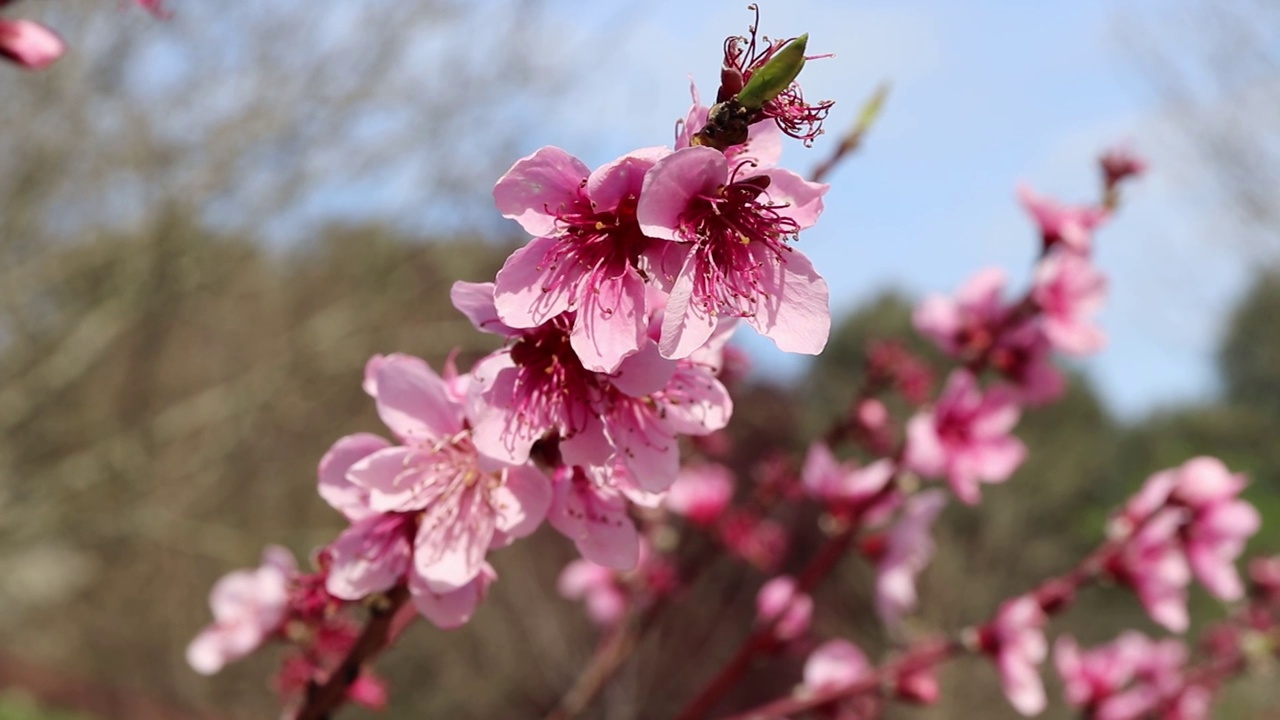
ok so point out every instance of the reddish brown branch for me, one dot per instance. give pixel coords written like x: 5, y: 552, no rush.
x: 322, y: 699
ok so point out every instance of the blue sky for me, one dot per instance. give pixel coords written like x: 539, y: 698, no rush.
x: 985, y: 95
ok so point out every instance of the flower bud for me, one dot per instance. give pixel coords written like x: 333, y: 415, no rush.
x: 775, y: 76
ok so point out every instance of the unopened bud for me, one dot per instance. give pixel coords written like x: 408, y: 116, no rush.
x: 775, y: 76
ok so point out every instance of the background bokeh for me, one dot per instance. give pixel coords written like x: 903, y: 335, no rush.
x: 207, y: 224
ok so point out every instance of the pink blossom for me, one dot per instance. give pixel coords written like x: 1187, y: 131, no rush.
x: 780, y: 603
x: 248, y: 607
x: 1069, y: 289
x: 844, y: 484
x: 453, y: 608
x: 1153, y: 563
x: 589, y: 256
x: 1092, y: 678
x: 1214, y: 523
x: 598, y: 587
x: 908, y: 551
x: 538, y: 388
x: 29, y: 44
x: 701, y: 492
x: 968, y: 325
x: 732, y: 257
x: 589, y: 510
x: 1024, y: 356
x: 1016, y: 639
x: 834, y: 665
x: 1069, y: 226
x: 978, y: 325
x: 966, y: 437
x: 436, y: 479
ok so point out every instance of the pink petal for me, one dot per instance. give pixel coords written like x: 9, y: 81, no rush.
x: 611, y: 323
x: 394, y: 480
x: 529, y: 291
x: 609, y: 184
x: 496, y: 430
x: 521, y: 502
x: 205, y: 654
x: 802, y: 197
x: 695, y: 403
x: 450, y: 548
x: 795, y: 310
x: 643, y: 373
x: 671, y: 183
x: 686, y: 325
x: 589, y: 447
x: 476, y: 301
x: 349, y: 499
x: 414, y: 401
x: 835, y: 664
x: 924, y: 452
x: 449, y: 610
x: 650, y: 452
x: 537, y: 186
x: 366, y: 560
x: 597, y: 523
x: 29, y: 44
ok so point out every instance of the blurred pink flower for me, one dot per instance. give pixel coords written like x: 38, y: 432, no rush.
x: 760, y: 541
x: 843, y: 484
x: 1214, y: 524
x: 834, y: 665
x: 965, y: 437
x: 701, y: 492
x: 1016, y: 639
x: 593, y: 513
x: 1072, y: 227
x: 1024, y: 356
x: 732, y: 258
x: 908, y: 551
x: 1069, y: 290
x: 29, y: 44
x: 1092, y: 678
x: 248, y: 607
x: 1153, y: 563
x: 598, y: 587
x: 779, y: 597
x: 969, y: 324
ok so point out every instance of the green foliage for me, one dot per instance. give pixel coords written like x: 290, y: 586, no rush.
x: 16, y: 706
x: 1250, y: 354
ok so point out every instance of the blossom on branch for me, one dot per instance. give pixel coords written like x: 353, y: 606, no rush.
x: 248, y: 606
x: 731, y: 257
x: 965, y: 437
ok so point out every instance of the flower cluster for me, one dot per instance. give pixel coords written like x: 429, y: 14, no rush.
x: 614, y: 316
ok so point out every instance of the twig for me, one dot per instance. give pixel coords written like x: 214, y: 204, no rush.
x: 322, y: 699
